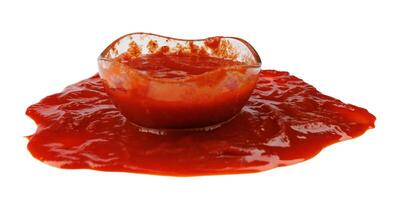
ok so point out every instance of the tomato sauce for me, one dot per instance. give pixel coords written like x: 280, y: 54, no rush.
x: 176, y: 66
x: 179, y: 89
x: 285, y: 121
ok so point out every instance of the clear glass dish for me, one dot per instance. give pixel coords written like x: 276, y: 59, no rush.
x: 193, y: 101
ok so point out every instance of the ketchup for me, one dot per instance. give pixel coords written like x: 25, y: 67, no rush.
x: 178, y: 90
x: 175, y: 66
x: 285, y: 121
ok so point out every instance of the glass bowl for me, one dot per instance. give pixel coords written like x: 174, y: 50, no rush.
x: 194, y: 101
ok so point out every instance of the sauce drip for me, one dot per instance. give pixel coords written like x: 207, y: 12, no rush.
x: 285, y: 121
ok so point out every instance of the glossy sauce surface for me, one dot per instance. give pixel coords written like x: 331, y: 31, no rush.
x: 284, y: 122
x: 176, y: 66
x: 178, y: 90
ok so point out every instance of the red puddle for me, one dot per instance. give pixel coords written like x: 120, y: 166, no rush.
x: 284, y: 122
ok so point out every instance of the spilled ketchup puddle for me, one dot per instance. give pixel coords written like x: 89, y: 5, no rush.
x: 285, y: 121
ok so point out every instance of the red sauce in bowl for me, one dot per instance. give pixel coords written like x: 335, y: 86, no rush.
x: 285, y: 121
x: 175, y: 66
x: 162, y: 82
x: 179, y: 91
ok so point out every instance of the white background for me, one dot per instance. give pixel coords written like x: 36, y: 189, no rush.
x: 344, y: 48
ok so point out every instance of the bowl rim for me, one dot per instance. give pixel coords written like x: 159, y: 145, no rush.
x: 254, y: 53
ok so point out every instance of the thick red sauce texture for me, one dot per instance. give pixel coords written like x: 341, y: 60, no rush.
x: 179, y: 90
x: 176, y: 66
x: 285, y: 121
